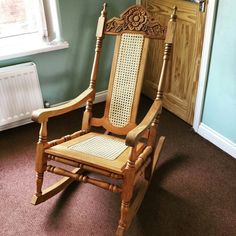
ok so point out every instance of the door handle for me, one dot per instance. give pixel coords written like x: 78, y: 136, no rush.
x: 201, y: 3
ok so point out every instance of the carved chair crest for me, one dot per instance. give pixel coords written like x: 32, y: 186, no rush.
x: 136, y: 18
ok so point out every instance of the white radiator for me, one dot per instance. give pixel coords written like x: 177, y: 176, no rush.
x: 20, y: 94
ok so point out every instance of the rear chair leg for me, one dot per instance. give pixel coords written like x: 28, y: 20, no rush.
x: 150, y: 170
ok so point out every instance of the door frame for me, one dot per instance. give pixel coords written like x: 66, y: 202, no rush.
x: 199, y: 127
x: 205, y: 62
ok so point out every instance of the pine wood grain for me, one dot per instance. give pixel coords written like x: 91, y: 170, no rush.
x: 181, y: 85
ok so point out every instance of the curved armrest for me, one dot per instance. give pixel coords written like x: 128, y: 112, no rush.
x: 42, y: 115
x: 135, y: 134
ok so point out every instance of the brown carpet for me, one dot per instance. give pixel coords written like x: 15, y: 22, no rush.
x: 193, y: 192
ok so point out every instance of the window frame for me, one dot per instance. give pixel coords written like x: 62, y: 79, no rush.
x: 47, y: 39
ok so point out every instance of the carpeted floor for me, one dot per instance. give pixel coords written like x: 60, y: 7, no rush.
x: 193, y: 192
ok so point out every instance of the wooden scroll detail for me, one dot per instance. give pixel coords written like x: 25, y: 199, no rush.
x: 85, y: 179
x: 136, y: 19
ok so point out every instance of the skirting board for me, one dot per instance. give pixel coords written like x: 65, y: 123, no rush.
x: 217, y: 139
x: 99, y: 97
x: 16, y: 124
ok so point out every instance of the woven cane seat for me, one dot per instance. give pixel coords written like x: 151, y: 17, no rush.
x: 99, y: 150
x: 99, y: 146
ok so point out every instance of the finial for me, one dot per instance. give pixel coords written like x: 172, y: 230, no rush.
x: 104, y: 10
x: 173, y: 15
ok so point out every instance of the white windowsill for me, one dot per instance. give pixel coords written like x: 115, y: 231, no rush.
x: 21, y: 50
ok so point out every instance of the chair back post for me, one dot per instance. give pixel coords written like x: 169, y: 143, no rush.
x: 152, y: 139
x: 92, y: 85
x: 167, y: 51
x: 100, y: 36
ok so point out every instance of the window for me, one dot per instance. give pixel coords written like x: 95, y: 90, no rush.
x: 17, y: 17
x: 29, y: 27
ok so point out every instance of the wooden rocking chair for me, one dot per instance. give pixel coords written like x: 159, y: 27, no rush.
x: 125, y: 159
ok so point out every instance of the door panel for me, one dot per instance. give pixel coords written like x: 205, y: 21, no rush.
x: 181, y: 82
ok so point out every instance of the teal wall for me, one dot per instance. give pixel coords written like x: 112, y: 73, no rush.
x: 220, y: 102
x: 65, y: 73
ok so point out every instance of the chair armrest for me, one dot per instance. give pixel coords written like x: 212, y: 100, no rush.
x: 135, y: 134
x: 42, y: 115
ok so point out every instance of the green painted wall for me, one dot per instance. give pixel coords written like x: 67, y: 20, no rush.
x: 65, y: 73
x: 220, y: 102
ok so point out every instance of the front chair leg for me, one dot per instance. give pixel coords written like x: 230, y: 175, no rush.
x: 40, y: 167
x: 123, y: 218
x: 39, y: 183
x: 126, y: 195
x: 41, y: 159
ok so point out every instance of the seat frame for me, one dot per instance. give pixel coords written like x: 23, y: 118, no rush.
x: 141, y: 163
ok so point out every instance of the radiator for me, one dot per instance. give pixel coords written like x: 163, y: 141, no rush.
x: 20, y: 94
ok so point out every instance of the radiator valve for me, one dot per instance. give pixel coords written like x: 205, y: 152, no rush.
x: 46, y: 104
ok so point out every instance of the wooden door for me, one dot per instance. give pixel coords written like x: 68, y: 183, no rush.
x: 182, y: 80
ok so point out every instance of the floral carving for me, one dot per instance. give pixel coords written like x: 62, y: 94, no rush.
x: 136, y: 18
